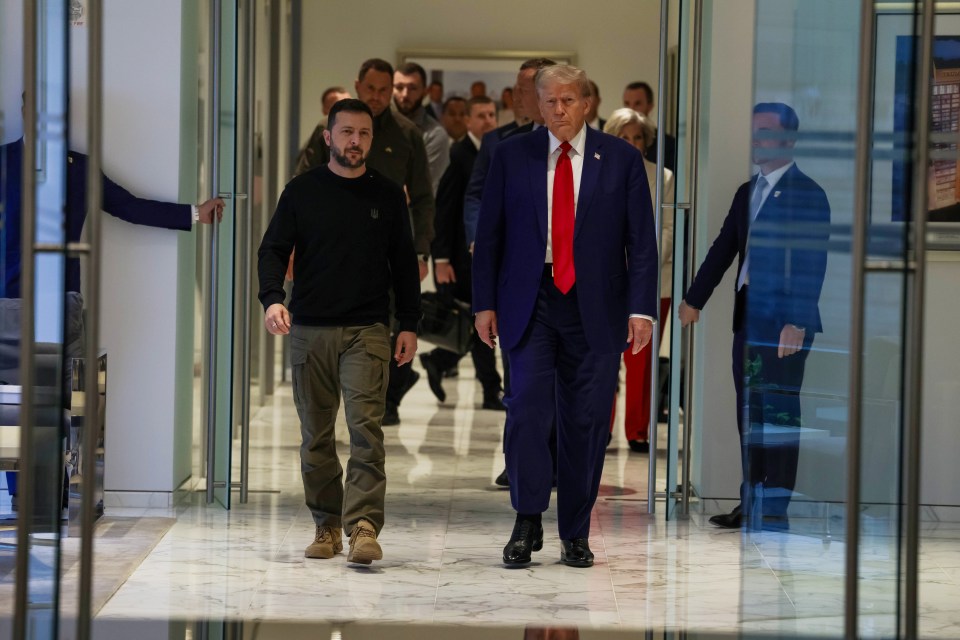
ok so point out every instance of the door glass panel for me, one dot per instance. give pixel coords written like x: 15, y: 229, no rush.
x: 939, y: 565
x: 224, y: 254
x: 795, y: 297
x: 34, y: 497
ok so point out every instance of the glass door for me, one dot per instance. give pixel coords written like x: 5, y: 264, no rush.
x: 826, y: 340
x: 680, y: 119
x: 214, y: 317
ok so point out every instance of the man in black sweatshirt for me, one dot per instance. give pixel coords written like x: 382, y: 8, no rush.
x: 351, y: 231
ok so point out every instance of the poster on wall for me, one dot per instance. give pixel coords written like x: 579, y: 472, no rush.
x: 76, y: 12
x: 943, y: 175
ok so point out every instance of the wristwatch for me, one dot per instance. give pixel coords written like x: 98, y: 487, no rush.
x: 424, y: 257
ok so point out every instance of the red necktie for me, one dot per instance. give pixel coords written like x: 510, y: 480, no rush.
x: 562, y: 222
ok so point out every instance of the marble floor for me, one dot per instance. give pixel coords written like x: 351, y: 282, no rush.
x: 447, y: 523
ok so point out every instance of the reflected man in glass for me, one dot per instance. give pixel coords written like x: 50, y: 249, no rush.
x: 777, y: 228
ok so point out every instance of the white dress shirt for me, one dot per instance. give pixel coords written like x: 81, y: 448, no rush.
x: 772, y: 179
x: 577, y: 144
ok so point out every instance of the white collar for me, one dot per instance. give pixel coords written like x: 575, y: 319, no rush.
x: 578, y: 143
x: 475, y: 140
x: 774, y: 176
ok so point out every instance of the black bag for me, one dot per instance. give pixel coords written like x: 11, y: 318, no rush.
x: 447, y: 322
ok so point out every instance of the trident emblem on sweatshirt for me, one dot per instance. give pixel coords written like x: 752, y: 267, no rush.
x: 374, y: 213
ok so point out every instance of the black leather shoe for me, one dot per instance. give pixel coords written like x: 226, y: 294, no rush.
x: 640, y: 446
x: 731, y: 520
x: 452, y: 372
x: 391, y: 415
x: 576, y: 553
x: 503, y: 480
x: 527, y: 537
x: 493, y: 401
x: 434, y: 376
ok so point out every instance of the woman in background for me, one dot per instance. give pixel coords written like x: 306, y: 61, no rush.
x: 636, y: 129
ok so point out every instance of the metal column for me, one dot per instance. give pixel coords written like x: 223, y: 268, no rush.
x: 91, y: 410
x: 861, y: 210
x: 210, y: 330
x: 913, y: 362
x: 28, y: 206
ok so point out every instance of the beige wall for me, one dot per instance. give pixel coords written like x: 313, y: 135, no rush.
x: 616, y: 41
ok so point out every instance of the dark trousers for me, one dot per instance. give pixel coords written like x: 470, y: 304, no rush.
x: 484, y: 361
x: 768, y: 414
x: 555, y: 376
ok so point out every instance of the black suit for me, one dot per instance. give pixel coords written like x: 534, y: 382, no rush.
x: 450, y: 243
x: 669, y: 151
x: 788, y: 256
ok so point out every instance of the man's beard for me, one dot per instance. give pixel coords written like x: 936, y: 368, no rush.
x: 341, y: 157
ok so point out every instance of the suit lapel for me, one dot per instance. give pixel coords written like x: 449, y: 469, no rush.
x: 588, y: 177
x: 537, y: 151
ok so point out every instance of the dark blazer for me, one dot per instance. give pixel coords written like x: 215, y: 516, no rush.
x: 788, y: 254
x: 471, y: 202
x: 614, y: 250
x: 450, y: 243
x: 669, y: 151
x: 117, y: 201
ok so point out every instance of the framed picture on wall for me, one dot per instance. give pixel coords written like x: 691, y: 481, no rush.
x: 464, y: 72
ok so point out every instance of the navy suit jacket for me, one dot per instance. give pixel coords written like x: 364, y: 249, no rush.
x: 788, y: 255
x: 117, y: 201
x: 478, y: 175
x: 614, y: 249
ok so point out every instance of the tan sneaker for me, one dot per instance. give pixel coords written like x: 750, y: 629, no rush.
x: 364, y: 547
x: 327, y: 543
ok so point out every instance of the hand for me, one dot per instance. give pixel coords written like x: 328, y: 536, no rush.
x: 486, y: 324
x: 639, y: 332
x: 277, y: 320
x: 791, y: 340
x: 688, y: 315
x: 443, y: 272
x: 423, y: 269
x: 406, y: 347
x: 209, y: 208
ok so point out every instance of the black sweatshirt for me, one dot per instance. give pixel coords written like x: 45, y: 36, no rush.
x: 353, y: 244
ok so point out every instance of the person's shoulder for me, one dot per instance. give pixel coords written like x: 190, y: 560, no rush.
x: 528, y: 138
x: 463, y: 148
x: 382, y: 184
x: 309, y: 179
x: 403, y: 123
x: 796, y: 178
x: 613, y: 144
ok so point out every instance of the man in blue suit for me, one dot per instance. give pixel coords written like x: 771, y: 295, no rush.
x: 777, y: 227
x: 565, y: 273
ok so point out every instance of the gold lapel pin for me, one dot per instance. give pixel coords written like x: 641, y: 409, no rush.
x: 776, y: 194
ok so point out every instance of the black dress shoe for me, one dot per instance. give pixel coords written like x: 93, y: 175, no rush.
x: 493, y: 401
x: 452, y: 372
x: 391, y: 415
x: 503, y: 480
x: 434, y: 376
x: 640, y: 446
x: 576, y: 553
x: 730, y: 520
x: 527, y: 537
